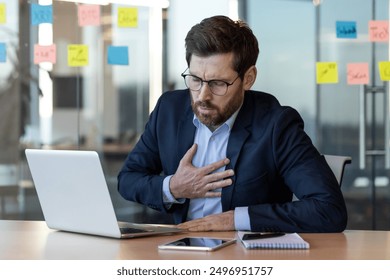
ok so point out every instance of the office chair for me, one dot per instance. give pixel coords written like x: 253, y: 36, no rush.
x: 337, y: 164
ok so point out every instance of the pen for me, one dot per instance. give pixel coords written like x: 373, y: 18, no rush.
x: 250, y: 236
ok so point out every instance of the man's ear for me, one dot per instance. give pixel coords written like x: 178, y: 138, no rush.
x: 250, y: 77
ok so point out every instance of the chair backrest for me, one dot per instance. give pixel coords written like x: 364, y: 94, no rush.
x: 337, y: 164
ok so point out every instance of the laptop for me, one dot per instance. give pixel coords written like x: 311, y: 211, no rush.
x: 74, y: 196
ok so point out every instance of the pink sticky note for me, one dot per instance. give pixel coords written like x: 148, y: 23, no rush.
x: 357, y: 74
x: 378, y: 30
x: 45, y: 54
x: 89, y: 15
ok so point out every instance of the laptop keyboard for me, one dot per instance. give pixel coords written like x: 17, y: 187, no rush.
x: 132, y: 230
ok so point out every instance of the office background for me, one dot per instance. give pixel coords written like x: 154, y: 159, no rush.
x: 104, y: 104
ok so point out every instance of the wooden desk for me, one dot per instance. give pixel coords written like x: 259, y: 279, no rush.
x: 30, y: 240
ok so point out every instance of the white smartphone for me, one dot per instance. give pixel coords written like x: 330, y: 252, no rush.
x: 197, y: 244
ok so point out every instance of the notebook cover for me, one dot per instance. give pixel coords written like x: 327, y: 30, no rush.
x: 287, y: 241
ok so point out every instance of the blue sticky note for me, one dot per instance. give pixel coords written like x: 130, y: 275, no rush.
x: 41, y: 14
x: 346, y: 29
x: 3, y: 52
x: 118, y: 55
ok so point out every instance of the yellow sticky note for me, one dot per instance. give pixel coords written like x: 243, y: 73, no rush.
x: 327, y: 73
x: 384, y: 70
x: 3, y: 13
x: 77, y: 55
x: 127, y: 17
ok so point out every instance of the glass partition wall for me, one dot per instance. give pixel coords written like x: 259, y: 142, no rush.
x: 74, y: 76
x: 342, y: 118
x: 354, y: 119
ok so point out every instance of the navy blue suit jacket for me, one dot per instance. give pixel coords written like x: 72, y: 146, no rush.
x: 270, y: 153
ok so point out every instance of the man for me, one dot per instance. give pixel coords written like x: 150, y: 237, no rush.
x: 219, y: 156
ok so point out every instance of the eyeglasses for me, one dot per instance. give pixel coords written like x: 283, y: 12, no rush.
x: 217, y: 87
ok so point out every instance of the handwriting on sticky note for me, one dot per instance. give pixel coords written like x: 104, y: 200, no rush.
x: 41, y: 14
x: 378, y: 30
x: 327, y: 72
x: 384, y: 70
x: 3, y: 13
x: 89, y: 15
x: 118, y: 55
x: 127, y: 17
x: 346, y: 29
x: 77, y: 55
x: 357, y: 74
x: 45, y: 54
x: 3, y: 52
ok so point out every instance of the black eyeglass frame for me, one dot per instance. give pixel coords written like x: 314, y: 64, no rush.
x: 209, y: 81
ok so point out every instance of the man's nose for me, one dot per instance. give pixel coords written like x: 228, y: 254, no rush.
x: 205, y: 92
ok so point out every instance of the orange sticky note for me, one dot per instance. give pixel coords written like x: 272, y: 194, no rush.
x: 357, y: 74
x: 384, y: 70
x: 327, y: 73
x: 77, y: 55
x: 45, y: 54
x: 3, y: 13
x: 89, y: 15
x: 378, y: 30
x: 127, y: 17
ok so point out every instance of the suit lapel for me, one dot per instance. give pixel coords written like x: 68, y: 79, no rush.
x: 186, y: 134
x: 185, y: 138
x: 240, y: 132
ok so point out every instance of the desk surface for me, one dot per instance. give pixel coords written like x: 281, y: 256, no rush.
x: 30, y: 240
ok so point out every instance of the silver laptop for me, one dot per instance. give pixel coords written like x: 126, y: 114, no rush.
x: 74, y: 196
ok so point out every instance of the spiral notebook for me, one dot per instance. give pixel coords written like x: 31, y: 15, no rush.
x: 287, y: 241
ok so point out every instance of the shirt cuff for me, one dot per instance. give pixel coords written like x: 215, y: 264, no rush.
x: 168, y: 198
x: 241, y: 219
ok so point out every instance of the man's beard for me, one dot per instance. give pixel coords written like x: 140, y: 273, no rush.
x: 211, y: 120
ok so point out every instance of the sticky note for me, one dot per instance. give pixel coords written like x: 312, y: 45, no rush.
x: 346, y: 29
x: 127, y: 17
x: 378, y: 30
x: 41, y: 14
x: 45, y: 54
x: 357, y: 74
x: 77, y: 55
x: 3, y: 13
x: 384, y: 70
x: 118, y: 55
x: 3, y: 52
x: 89, y: 15
x: 327, y: 72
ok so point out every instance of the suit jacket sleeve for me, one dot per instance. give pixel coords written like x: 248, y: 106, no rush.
x: 167, y: 136
x: 140, y: 178
x: 298, y: 165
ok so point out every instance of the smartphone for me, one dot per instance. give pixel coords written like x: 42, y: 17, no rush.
x: 197, y: 244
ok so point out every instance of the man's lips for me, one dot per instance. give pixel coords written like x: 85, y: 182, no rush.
x: 204, y: 109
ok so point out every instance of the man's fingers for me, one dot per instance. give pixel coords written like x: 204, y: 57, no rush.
x: 217, y: 222
x: 190, y: 154
x: 214, y: 177
x: 219, y: 184
x: 215, y: 165
x: 212, y: 194
x: 196, y: 225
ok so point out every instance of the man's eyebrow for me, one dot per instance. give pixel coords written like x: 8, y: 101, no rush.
x: 214, y: 79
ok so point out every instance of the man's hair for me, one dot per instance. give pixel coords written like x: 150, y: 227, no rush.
x: 219, y: 35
